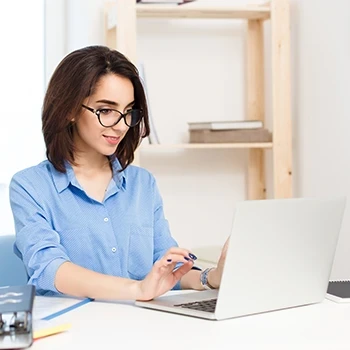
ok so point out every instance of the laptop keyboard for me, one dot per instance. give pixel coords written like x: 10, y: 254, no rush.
x: 203, y: 305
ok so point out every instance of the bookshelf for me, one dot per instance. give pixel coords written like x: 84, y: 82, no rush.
x: 203, y: 11
x: 206, y: 146
x: 121, y: 33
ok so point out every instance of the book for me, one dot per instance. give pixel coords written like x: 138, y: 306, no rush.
x: 339, y: 291
x: 226, y: 125
x: 163, y: 1
x: 46, y: 312
x: 47, y: 308
x: 153, y: 136
x: 230, y: 136
x: 42, y: 329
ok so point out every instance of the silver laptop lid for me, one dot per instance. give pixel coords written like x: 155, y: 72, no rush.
x: 280, y: 255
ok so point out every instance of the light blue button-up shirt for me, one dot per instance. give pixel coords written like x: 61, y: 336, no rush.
x: 56, y: 221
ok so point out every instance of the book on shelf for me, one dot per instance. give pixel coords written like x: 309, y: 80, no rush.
x: 226, y: 125
x: 178, y: 2
x: 230, y: 136
x: 153, y: 136
x: 339, y: 291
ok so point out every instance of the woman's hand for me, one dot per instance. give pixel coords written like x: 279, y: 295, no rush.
x: 214, y: 276
x: 162, y: 277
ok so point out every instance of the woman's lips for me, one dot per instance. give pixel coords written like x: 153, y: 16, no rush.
x: 112, y: 140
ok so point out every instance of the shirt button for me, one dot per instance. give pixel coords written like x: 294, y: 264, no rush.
x: 114, y: 249
x: 105, y: 219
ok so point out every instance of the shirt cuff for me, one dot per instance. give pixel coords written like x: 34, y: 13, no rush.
x: 47, y: 278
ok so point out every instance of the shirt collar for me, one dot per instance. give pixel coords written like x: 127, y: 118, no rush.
x: 119, y: 176
x: 62, y: 180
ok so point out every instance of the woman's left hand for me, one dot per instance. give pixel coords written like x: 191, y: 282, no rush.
x: 214, y: 276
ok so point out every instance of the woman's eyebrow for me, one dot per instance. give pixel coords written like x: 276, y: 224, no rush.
x: 113, y: 103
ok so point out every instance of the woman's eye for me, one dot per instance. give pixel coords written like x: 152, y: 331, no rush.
x: 105, y: 111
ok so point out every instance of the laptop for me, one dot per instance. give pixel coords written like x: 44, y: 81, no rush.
x: 280, y: 255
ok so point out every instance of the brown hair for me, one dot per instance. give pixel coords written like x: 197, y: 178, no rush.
x: 74, y: 79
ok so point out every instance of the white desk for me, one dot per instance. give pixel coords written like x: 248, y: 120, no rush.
x: 121, y: 325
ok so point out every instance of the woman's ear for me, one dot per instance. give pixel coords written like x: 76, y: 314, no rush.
x: 70, y: 118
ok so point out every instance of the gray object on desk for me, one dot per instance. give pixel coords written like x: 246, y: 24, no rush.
x: 339, y: 291
x: 16, y: 308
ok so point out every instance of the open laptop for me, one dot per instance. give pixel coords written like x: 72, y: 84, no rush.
x: 280, y: 255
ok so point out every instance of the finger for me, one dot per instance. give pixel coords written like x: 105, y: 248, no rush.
x: 170, y: 262
x: 182, y: 270
x: 181, y: 251
x: 224, y: 249
x: 223, y: 252
x: 175, y: 258
x: 227, y: 241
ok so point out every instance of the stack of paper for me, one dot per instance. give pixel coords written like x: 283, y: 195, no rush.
x: 46, y: 311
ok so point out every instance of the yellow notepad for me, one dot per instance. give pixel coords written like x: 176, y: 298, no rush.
x: 42, y: 330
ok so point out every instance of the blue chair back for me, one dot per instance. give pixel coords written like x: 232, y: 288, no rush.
x: 12, y: 270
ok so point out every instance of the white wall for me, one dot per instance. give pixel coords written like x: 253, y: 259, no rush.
x: 21, y: 72
x: 22, y: 80
x: 195, y: 70
x: 321, y: 56
x: 55, y: 35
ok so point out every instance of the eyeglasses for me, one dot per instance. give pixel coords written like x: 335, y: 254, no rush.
x: 109, y: 117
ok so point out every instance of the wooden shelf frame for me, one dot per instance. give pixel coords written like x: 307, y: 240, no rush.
x: 120, y: 28
x: 241, y: 145
x: 196, y: 10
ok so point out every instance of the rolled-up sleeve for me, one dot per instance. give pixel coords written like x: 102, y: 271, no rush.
x: 38, y: 244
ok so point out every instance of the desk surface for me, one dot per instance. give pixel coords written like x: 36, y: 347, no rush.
x: 106, y: 325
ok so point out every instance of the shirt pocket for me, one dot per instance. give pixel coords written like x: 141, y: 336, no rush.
x: 140, y: 255
x: 77, y: 243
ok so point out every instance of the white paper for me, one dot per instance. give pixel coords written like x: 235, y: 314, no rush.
x: 45, y: 306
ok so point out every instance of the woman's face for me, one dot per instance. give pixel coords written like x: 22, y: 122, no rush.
x: 111, y: 92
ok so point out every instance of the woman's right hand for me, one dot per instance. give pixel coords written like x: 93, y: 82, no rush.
x: 162, y: 277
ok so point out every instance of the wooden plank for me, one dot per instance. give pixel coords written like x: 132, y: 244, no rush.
x: 256, y: 175
x: 266, y: 145
x: 281, y: 99
x: 126, y: 28
x: 197, y: 10
x: 255, y: 71
x: 255, y: 105
x: 110, y: 32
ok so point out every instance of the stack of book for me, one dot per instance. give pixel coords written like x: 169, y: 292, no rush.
x: 163, y: 1
x: 229, y: 132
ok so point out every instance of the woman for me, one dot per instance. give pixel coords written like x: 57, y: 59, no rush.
x: 88, y: 223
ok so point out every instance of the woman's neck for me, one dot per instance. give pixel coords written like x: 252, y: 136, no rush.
x: 94, y: 176
x: 89, y: 163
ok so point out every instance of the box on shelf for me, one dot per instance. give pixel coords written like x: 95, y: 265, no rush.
x: 230, y: 136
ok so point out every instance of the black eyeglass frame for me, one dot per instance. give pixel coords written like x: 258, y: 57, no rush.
x: 97, y: 112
